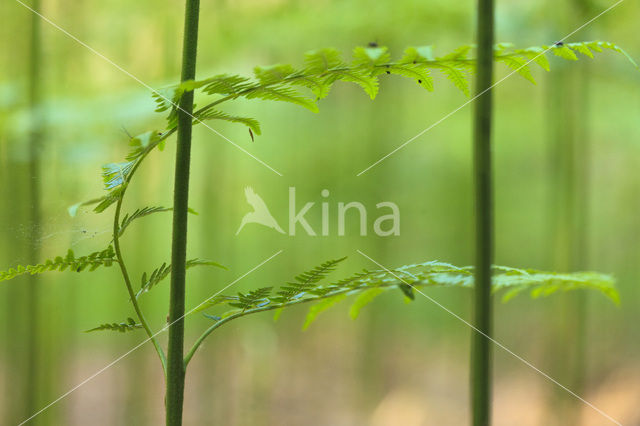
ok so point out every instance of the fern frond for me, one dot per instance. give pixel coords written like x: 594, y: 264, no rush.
x: 306, y: 281
x: 456, y: 76
x: 321, y: 69
x: 223, y: 84
x: 368, y: 285
x: 599, y: 45
x: 319, y: 61
x: 319, y: 86
x: 145, y: 211
x: 166, y: 98
x: 253, y: 299
x: 363, y: 300
x: 369, y: 57
x: 112, y: 197
x: 273, y: 74
x: 143, y: 143
x: 420, y: 54
x: 284, y: 94
x: 123, y: 327
x: 147, y: 282
x: 532, y: 54
x: 581, y: 48
x: 78, y: 264
x: 251, y: 123
x: 420, y: 74
x: 320, y: 307
x: 519, y: 65
x: 564, y: 52
x: 362, y: 77
x: 115, y: 174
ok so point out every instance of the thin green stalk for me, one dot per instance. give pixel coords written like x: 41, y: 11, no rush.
x: 570, y: 154
x: 481, y: 345
x: 35, y: 145
x: 581, y: 226
x: 127, y: 281
x: 175, y: 352
x: 246, y: 312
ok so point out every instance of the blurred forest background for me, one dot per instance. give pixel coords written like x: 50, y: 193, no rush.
x: 567, y: 155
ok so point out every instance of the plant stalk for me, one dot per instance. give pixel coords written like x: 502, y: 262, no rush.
x: 32, y: 379
x: 481, y: 349
x: 175, y: 363
x: 127, y: 281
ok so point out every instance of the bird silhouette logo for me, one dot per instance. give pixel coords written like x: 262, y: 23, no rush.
x: 260, y: 213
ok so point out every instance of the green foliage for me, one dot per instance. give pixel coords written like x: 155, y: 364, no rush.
x: 409, y: 279
x: 255, y: 298
x: 123, y: 327
x: 321, y: 306
x: 89, y: 262
x: 321, y: 69
x: 305, y: 86
x: 251, y: 123
x: 306, y: 281
x: 145, y: 211
x: 115, y: 174
x: 147, y: 282
x: 362, y: 300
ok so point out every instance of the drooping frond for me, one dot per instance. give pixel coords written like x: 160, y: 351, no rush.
x: 420, y: 74
x: 251, y: 123
x: 411, y: 280
x: 282, y: 93
x: 320, y: 70
x: 122, y: 327
x: 78, y: 264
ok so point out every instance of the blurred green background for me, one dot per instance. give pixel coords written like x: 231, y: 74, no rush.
x: 567, y: 154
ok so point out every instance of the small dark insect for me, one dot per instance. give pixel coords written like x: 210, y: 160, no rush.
x: 159, y: 133
x: 558, y: 43
x: 251, y: 134
x: 388, y: 72
x: 373, y: 44
x: 419, y: 81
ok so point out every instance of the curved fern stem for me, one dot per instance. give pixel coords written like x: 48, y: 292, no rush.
x: 246, y: 312
x: 127, y: 281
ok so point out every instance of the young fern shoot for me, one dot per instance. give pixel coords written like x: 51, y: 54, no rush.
x: 305, y: 87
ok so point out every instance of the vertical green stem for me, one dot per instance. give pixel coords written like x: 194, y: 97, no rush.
x: 35, y: 138
x: 569, y: 208
x: 175, y: 364
x: 481, y: 349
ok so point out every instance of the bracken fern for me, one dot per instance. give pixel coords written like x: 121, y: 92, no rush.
x: 306, y: 86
